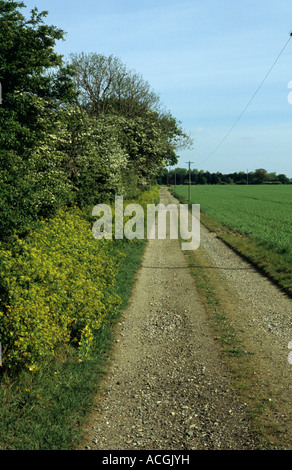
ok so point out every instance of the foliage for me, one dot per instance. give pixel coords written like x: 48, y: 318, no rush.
x: 58, y: 150
x: 259, y: 176
x: 30, y: 73
x: 94, y: 160
x: 106, y: 86
x: 56, y: 289
x: 35, y: 87
x: 51, y: 405
x: 75, y: 133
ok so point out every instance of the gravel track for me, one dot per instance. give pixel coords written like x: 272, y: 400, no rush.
x: 167, y: 387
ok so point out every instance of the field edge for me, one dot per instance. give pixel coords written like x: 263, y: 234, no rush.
x: 259, y: 254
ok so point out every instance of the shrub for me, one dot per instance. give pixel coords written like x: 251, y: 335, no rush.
x: 57, y: 287
x: 56, y: 290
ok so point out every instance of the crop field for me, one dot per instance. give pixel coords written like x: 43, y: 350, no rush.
x: 254, y: 219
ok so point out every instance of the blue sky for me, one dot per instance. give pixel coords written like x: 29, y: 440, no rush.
x: 205, y: 59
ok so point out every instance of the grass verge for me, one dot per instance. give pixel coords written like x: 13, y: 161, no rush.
x: 239, y: 361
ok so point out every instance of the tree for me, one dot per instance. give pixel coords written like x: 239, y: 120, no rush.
x: 271, y: 177
x: 194, y: 176
x: 106, y: 89
x: 94, y: 161
x: 106, y: 86
x: 35, y: 88
x: 259, y: 176
x: 215, y: 178
x: 30, y: 71
x: 283, y: 178
x: 181, y: 175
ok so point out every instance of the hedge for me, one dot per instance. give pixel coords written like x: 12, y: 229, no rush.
x: 56, y: 288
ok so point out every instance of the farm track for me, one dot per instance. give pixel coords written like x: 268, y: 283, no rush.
x: 168, y: 386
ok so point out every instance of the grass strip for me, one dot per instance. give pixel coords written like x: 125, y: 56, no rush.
x: 240, y: 363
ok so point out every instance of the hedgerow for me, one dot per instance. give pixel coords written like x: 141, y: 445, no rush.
x: 57, y: 288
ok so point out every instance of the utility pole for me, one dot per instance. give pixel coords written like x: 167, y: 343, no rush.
x: 189, y: 180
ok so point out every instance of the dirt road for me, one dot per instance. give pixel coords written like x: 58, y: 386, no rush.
x: 167, y: 387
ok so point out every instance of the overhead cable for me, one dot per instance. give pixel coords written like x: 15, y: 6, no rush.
x: 249, y: 102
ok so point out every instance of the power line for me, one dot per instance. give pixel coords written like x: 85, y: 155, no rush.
x: 249, y: 102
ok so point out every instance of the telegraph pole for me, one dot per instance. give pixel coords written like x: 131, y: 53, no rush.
x: 189, y: 180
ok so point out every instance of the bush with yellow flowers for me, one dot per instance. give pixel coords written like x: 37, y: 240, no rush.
x: 56, y: 289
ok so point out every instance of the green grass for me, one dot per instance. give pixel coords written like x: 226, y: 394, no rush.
x: 46, y: 410
x: 255, y: 220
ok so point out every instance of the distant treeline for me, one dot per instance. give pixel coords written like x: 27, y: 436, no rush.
x: 259, y: 176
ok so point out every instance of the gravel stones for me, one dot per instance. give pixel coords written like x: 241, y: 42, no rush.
x: 166, y: 388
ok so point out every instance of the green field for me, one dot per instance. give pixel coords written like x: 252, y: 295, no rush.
x: 262, y: 214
